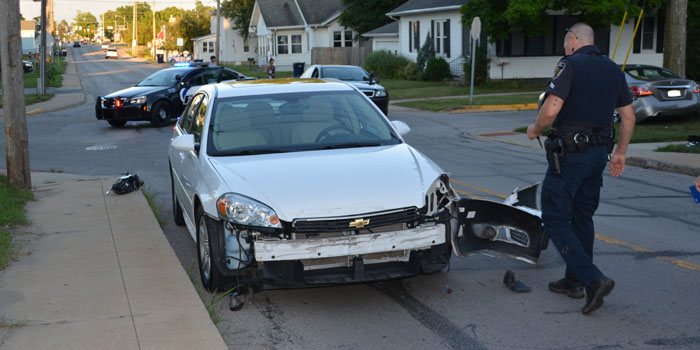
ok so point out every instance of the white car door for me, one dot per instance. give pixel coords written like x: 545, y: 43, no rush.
x: 183, y: 162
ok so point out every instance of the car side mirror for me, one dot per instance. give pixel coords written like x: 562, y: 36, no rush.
x: 184, y: 143
x: 178, y: 77
x: 401, y: 127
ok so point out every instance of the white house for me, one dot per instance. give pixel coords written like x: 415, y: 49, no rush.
x: 385, y: 37
x: 235, y: 49
x: 28, y: 34
x: 289, y: 30
x: 519, y: 56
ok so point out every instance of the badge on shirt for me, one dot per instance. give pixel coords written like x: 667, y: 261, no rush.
x: 560, y: 68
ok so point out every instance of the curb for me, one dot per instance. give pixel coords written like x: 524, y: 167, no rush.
x: 495, y: 108
x: 647, y: 163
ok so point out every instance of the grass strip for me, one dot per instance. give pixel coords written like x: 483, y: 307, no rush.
x: 33, y: 98
x: 679, y: 149
x: 12, y: 212
x: 442, y: 104
x: 255, y: 72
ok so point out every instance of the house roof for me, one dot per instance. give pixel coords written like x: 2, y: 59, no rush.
x: 285, y: 13
x: 27, y: 25
x: 204, y: 36
x: 389, y: 29
x: 421, y: 6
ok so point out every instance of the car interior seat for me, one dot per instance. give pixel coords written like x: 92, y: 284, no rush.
x: 315, y: 119
x: 233, y: 129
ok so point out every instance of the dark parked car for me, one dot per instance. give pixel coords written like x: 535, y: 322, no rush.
x: 27, y: 66
x: 76, y: 44
x: 356, y: 76
x: 159, y: 98
x: 660, y: 92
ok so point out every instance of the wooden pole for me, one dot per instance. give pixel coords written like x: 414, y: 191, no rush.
x: 675, y: 36
x: 153, y: 45
x: 133, y: 33
x: 217, y: 51
x: 16, y: 139
x: 42, y: 50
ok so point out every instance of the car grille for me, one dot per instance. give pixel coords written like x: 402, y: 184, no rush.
x: 108, y: 103
x: 386, y: 221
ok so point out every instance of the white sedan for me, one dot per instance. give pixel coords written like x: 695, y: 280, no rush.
x: 305, y: 182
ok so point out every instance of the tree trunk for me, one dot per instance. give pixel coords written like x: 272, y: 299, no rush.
x: 675, y: 36
x: 16, y: 139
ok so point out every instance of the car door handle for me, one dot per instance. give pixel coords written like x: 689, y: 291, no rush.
x: 182, y: 155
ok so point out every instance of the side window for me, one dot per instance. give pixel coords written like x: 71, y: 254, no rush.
x: 197, y: 79
x: 198, y: 124
x: 189, y: 114
x: 315, y: 73
x: 229, y: 75
x: 210, y: 76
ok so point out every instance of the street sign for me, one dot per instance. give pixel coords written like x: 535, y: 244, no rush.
x: 180, y: 42
x: 109, y: 27
x: 476, y: 28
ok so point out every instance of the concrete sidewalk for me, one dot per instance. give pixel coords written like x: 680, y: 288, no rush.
x: 638, y: 154
x: 99, y: 275
x: 69, y: 95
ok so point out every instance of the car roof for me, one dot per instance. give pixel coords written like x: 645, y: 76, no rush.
x: 629, y: 66
x: 278, y: 86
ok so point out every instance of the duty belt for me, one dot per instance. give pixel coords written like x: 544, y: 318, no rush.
x: 578, y: 142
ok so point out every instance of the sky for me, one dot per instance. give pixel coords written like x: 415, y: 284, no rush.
x: 67, y: 9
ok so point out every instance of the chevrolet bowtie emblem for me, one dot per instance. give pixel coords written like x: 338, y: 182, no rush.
x: 359, y: 223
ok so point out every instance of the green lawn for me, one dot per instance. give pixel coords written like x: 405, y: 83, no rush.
x: 442, y: 104
x: 12, y: 212
x: 679, y: 148
x: 401, y: 89
x: 258, y: 72
x: 660, y: 130
x: 30, y: 79
x: 33, y: 98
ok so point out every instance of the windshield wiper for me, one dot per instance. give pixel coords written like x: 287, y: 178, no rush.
x: 249, y: 152
x: 353, y: 145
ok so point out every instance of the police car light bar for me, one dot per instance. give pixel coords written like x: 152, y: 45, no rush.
x: 183, y: 64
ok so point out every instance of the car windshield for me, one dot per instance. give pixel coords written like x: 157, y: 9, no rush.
x: 345, y: 73
x: 163, y: 78
x: 295, y: 122
x: 650, y: 73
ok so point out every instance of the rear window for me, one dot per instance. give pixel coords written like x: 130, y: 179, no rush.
x: 650, y: 73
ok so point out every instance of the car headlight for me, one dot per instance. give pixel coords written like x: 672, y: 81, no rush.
x: 243, y: 210
x: 380, y: 93
x: 138, y: 100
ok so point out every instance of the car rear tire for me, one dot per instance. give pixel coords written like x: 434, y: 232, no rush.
x: 177, y: 209
x: 117, y: 123
x: 207, y: 235
x: 160, y: 115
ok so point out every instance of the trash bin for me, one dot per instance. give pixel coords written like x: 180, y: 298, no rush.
x: 298, y: 69
x: 159, y: 57
x: 64, y: 52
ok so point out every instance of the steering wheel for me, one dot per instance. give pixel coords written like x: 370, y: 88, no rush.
x: 325, y: 132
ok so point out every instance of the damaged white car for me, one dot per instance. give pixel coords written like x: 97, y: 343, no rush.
x: 305, y: 182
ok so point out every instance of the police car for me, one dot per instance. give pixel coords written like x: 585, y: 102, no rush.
x: 160, y: 97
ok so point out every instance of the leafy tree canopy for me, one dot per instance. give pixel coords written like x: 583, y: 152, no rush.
x: 500, y: 17
x: 240, y: 11
x: 85, y: 24
x: 365, y: 15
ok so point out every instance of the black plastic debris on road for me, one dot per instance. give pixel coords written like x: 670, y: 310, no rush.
x: 126, y: 183
x: 513, y: 284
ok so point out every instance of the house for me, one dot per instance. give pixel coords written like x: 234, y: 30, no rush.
x: 520, y: 55
x: 29, y: 40
x: 385, y: 37
x: 235, y: 48
x: 441, y: 19
x: 290, y: 30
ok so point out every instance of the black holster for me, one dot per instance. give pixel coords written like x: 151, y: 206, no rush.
x: 554, y: 147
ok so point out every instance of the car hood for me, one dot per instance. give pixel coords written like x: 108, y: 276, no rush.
x: 363, y: 85
x: 136, y: 90
x: 332, y: 183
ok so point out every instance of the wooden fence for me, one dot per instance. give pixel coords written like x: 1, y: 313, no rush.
x: 339, y: 55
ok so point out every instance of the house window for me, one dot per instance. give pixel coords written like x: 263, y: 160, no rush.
x: 296, y: 43
x: 348, y: 38
x: 204, y: 46
x: 648, y: 33
x: 416, y: 35
x: 441, y: 33
x: 437, y: 35
x: 338, y: 39
x: 246, y: 46
x: 211, y: 46
x: 282, y: 44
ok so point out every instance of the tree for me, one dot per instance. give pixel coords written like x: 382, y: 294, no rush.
x: 500, y: 17
x: 86, y: 24
x: 426, y: 52
x: 692, y: 53
x: 240, y: 11
x: 62, y: 28
x: 365, y: 15
x: 190, y: 24
x: 675, y: 49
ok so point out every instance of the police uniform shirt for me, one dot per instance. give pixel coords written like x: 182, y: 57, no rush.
x: 601, y: 87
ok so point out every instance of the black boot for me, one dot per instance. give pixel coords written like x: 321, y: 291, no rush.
x: 600, y: 288
x: 572, y: 288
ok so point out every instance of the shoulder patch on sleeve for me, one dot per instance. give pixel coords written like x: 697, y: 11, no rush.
x: 559, y: 68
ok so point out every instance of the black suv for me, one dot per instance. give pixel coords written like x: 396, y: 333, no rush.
x: 356, y: 76
x: 161, y: 96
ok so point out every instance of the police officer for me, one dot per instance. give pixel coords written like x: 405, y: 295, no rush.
x: 583, y: 94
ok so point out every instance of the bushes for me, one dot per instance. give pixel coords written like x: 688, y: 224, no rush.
x: 426, y: 52
x: 408, y: 72
x: 385, y: 64
x: 436, y: 69
x: 481, y: 67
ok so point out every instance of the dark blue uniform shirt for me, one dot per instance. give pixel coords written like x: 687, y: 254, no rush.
x: 592, y: 86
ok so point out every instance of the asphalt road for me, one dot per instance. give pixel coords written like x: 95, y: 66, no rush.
x: 647, y: 225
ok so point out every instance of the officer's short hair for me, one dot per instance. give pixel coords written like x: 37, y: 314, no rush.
x: 583, y: 32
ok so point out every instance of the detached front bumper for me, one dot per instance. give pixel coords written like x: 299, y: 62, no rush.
x: 412, y: 239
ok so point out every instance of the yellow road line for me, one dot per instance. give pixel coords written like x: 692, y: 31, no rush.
x: 678, y: 262
x: 468, y: 194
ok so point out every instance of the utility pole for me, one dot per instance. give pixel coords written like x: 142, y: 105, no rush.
x: 154, y: 29
x: 42, y: 49
x: 218, y: 32
x: 675, y: 36
x: 133, y: 34
x: 16, y: 139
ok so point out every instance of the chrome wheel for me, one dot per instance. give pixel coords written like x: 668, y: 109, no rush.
x: 204, y: 257
x: 163, y: 114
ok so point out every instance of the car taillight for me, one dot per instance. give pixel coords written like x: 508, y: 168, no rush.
x: 640, y: 90
x: 118, y: 102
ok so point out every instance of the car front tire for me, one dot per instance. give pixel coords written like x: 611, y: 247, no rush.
x: 207, y: 234
x: 177, y: 209
x: 160, y: 115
